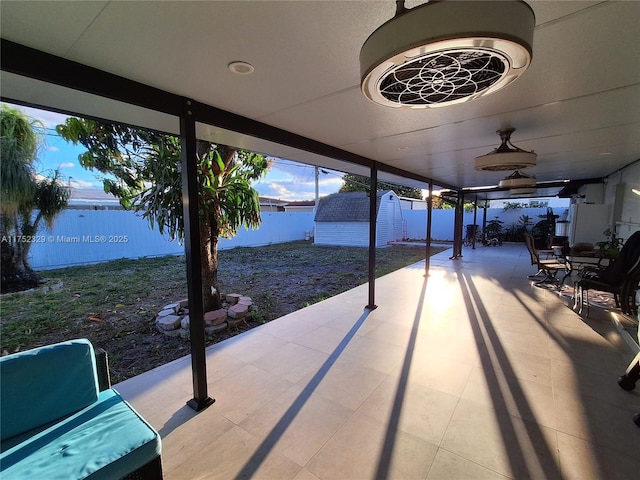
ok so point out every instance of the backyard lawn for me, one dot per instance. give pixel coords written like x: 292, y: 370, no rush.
x: 114, y: 304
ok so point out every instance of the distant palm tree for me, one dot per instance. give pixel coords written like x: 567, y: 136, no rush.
x: 23, y: 192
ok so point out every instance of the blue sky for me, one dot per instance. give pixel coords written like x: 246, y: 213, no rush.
x: 286, y: 180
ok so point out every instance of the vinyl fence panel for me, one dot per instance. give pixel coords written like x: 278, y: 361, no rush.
x: 91, y: 236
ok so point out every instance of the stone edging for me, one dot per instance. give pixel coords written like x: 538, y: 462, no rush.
x: 173, y: 319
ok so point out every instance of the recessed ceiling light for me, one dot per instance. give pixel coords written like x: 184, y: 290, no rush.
x: 241, y: 68
x: 446, y: 52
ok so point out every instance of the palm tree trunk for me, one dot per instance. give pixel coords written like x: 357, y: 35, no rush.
x: 17, y: 274
x: 29, y: 229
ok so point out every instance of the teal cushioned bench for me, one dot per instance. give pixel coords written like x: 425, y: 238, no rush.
x: 54, y: 422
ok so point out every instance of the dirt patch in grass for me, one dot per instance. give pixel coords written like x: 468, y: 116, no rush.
x: 114, y: 304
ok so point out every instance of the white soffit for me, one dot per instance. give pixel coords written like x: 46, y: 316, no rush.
x: 63, y: 99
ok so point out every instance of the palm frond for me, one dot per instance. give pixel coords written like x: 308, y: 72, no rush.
x: 19, y: 143
x: 52, y: 197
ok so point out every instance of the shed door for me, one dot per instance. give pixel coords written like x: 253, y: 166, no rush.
x: 391, y: 222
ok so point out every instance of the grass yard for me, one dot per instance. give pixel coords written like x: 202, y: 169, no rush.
x: 114, y: 304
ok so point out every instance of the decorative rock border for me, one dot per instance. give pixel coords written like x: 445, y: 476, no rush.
x: 173, y: 319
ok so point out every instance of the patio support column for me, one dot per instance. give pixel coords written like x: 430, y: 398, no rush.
x: 457, y: 227
x: 461, y: 223
x: 427, y: 259
x: 475, y: 220
x: 188, y: 161
x: 373, y: 210
x: 484, y: 220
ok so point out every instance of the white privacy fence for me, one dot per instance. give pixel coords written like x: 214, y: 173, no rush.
x: 90, y: 236
x: 442, y: 220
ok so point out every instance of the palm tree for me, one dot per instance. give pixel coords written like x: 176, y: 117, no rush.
x: 23, y: 192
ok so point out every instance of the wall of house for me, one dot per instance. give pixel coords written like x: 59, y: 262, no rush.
x: 91, y: 236
x: 625, y: 211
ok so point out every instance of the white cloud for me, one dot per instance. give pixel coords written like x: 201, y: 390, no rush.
x: 292, y: 189
x: 331, y: 183
x: 289, y: 180
x: 283, y: 190
x: 53, y: 149
x: 67, y: 165
x: 84, y: 184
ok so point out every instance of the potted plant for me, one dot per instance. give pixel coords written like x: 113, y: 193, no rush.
x: 541, y: 232
x: 611, y: 246
x: 493, y: 231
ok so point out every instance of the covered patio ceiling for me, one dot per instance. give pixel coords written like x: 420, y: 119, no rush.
x: 577, y: 107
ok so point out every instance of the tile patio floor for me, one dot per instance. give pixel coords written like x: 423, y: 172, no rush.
x: 471, y: 374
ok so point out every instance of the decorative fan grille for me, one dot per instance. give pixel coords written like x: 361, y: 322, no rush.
x: 442, y: 77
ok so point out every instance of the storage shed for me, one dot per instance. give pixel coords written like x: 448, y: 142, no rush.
x: 343, y: 219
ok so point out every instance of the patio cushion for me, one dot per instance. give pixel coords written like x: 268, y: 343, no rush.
x: 45, y: 384
x: 103, y: 441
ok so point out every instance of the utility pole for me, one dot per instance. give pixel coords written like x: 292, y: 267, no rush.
x: 317, y: 172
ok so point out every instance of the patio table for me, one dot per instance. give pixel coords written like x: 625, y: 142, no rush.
x: 577, y: 260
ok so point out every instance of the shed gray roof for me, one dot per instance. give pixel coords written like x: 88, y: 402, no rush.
x: 346, y: 207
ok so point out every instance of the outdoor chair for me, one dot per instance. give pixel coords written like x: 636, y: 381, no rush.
x: 61, y: 419
x: 547, y: 269
x: 629, y: 379
x: 631, y: 376
x: 620, y: 278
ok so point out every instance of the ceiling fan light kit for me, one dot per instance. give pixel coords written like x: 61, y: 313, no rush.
x: 517, y: 179
x: 446, y: 52
x: 514, y: 192
x: 507, y: 156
